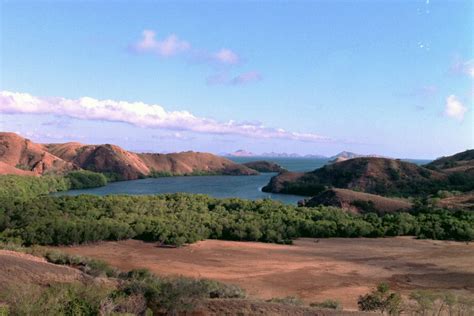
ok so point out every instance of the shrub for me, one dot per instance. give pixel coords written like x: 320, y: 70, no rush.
x: 381, y: 299
x: 288, y: 300
x: 4, y: 310
x: 328, y: 304
x: 90, y: 266
x: 56, y: 299
x: 173, y: 294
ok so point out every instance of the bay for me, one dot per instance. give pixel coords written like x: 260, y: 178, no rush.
x: 245, y: 187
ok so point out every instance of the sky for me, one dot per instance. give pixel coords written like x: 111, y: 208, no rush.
x: 393, y: 78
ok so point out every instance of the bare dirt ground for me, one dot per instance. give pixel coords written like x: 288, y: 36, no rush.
x: 312, y: 269
x: 20, y: 268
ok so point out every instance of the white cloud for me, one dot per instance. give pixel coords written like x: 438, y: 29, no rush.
x: 142, y: 115
x: 454, y: 108
x: 172, y: 45
x: 169, y: 46
x: 226, y: 56
x: 247, y: 77
x: 465, y: 67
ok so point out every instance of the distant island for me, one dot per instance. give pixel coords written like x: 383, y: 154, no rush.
x: 245, y: 153
x: 344, y: 155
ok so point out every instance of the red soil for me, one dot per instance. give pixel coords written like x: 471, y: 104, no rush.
x: 314, y: 270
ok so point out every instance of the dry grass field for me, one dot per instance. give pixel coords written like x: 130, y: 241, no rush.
x: 312, y: 269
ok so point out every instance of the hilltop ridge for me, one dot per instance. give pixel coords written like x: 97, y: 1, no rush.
x: 19, y: 155
x: 382, y: 176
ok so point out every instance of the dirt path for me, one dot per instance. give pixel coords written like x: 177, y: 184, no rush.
x: 312, y: 269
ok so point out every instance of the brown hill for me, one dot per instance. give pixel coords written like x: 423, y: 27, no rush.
x: 358, y: 202
x: 102, y: 158
x: 7, y: 169
x: 21, y: 271
x: 458, y: 201
x: 190, y: 162
x: 459, y: 162
x: 19, y: 155
x: 366, y: 174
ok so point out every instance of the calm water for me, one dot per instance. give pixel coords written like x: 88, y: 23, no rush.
x: 246, y: 187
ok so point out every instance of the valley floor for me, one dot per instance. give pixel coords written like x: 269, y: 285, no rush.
x: 313, y: 269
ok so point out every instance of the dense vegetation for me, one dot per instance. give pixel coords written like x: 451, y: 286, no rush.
x: 311, y: 184
x: 184, y: 218
x: 30, y: 216
x: 85, y: 179
x: 160, y: 174
x: 24, y: 187
x: 421, y: 302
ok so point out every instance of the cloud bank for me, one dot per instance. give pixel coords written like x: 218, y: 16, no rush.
x: 142, y: 115
x: 454, y: 108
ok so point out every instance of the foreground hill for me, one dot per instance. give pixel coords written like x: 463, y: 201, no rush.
x: 22, y: 268
x: 366, y: 174
x: 33, y: 286
x: 358, y: 202
x: 341, y: 269
x: 463, y: 161
x: 19, y: 154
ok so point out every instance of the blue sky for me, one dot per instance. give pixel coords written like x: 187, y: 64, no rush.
x: 387, y: 77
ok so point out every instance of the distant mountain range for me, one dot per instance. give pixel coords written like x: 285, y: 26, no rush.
x: 244, y: 153
x: 344, y: 155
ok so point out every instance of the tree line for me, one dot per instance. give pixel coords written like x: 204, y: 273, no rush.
x: 24, y: 187
x: 176, y: 219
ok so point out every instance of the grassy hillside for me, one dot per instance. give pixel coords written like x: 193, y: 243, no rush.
x: 372, y: 175
x: 462, y: 161
x: 358, y: 202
